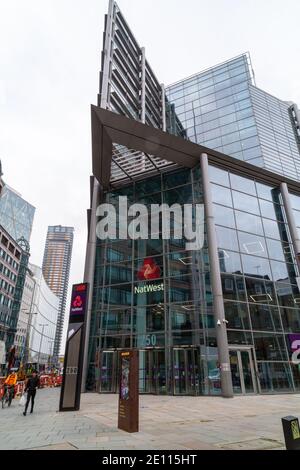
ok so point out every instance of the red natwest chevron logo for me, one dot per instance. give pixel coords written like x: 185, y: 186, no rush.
x: 77, y: 302
x: 149, y: 270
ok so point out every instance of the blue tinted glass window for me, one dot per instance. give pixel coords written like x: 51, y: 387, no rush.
x: 252, y: 244
x: 275, y: 249
x: 256, y: 267
x: 221, y: 195
x: 280, y: 272
x: 271, y: 228
x: 216, y: 175
x: 227, y: 238
x: 295, y: 201
x: 245, y: 202
x: 248, y: 222
x: 268, y: 209
x: 229, y: 261
x: 224, y: 216
x: 242, y: 184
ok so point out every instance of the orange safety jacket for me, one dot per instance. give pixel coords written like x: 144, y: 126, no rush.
x: 11, y: 380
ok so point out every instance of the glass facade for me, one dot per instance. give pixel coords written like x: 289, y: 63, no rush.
x: 170, y: 317
x: 222, y: 109
x: 12, y: 260
x: 16, y: 214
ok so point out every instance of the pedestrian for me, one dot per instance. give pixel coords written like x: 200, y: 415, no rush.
x: 31, y: 385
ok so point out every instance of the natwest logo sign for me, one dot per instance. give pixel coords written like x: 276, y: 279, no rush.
x: 78, y: 302
x: 149, y: 270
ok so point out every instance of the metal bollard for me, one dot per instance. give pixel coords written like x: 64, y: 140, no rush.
x: 291, y: 432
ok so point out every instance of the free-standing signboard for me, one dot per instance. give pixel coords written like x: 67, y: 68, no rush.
x: 70, y: 390
x: 128, y: 416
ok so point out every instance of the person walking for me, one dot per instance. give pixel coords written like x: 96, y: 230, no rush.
x: 31, y: 386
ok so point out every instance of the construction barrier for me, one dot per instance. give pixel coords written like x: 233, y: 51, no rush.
x: 45, y: 381
x: 19, y: 388
x: 50, y: 380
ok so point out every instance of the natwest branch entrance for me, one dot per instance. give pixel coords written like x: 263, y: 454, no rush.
x: 242, y: 370
x: 217, y: 320
x: 184, y: 376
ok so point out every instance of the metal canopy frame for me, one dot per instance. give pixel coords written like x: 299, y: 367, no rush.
x: 109, y: 128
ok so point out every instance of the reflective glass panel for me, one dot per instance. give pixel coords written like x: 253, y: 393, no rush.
x: 224, y: 216
x: 248, y: 223
x: 256, y: 267
x: 237, y: 315
x: 221, y: 195
x: 242, y: 184
x: 216, y: 175
x: 269, y: 347
x: 230, y: 262
x: 245, y: 203
x: 227, y: 238
x: 252, y: 244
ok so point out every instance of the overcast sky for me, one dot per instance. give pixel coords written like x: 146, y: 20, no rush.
x: 49, y: 74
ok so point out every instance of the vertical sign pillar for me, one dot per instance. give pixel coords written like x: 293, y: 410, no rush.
x: 73, y: 363
x: 128, y: 415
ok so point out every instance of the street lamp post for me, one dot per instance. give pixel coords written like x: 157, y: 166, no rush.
x: 51, y: 341
x: 43, y: 326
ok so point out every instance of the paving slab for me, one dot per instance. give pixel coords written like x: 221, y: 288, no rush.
x: 166, y: 422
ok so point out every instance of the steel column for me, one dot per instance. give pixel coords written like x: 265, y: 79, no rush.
x: 215, y: 276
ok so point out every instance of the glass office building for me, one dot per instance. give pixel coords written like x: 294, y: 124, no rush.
x: 220, y: 320
x: 16, y: 214
x: 222, y: 109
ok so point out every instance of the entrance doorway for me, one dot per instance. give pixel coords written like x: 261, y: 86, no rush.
x: 186, y: 371
x: 242, y: 370
x: 108, y: 376
x: 152, y: 371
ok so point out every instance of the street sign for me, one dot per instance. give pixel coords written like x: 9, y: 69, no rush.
x: 73, y: 359
x: 128, y: 416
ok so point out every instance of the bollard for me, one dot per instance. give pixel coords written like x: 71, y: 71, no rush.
x: 291, y: 432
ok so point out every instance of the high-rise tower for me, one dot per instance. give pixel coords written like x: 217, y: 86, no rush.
x: 56, y: 269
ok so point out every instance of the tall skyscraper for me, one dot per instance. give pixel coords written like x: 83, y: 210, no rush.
x: 56, y: 270
x: 221, y: 318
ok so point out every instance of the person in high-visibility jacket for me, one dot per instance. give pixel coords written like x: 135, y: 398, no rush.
x: 9, y: 384
x: 11, y: 379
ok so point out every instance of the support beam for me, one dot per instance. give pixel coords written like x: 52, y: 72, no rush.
x: 143, y: 86
x: 163, y: 107
x: 89, y: 275
x: 215, y: 277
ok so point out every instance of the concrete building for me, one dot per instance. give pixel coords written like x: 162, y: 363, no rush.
x: 43, y: 311
x: 10, y: 262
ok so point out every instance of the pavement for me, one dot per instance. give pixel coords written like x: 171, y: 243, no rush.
x: 166, y: 422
